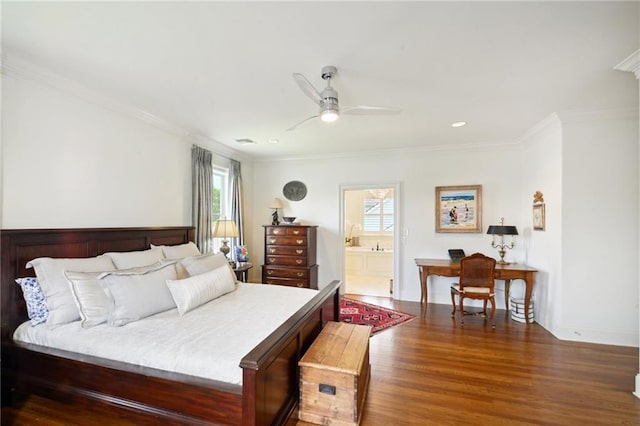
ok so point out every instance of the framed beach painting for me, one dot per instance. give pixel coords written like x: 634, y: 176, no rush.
x: 459, y: 208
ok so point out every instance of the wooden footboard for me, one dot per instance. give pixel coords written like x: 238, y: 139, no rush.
x: 270, y: 375
x: 271, y: 368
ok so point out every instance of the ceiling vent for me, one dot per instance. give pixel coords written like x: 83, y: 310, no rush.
x: 245, y: 141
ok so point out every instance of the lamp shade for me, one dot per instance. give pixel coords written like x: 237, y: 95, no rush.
x: 276, y: 204
x: 502, y: 230
x: 225, y: 228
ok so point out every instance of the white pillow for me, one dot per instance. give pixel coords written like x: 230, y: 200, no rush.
x: 207, y: 262
x: 136, y: 296
x: 197, y: 290
x: 92, y: 300
x: 135, y: 259
x: 179, y: 251
x: 55, y: 287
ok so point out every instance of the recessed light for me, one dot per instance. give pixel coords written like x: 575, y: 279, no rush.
x: 273, y: 141
x: 459, y: 124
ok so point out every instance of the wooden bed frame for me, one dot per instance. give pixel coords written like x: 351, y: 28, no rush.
x: 269, y: 393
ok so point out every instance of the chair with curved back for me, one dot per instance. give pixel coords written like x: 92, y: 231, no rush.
x: 476, y: 282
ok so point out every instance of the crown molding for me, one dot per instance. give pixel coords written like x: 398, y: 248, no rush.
x: 541, y: 126
x: 12, y: 66
x: 391, y: 152
x: 630, y: 64
x: 577, y: 116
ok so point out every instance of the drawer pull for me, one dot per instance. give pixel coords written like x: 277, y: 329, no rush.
x: 299, y: 241
x: 272, y: 250
x: 301, y: 274
x: 272, y: 240
x: 269, y: 282
x: 276, y: 231
x: 269, y: 272
x: 272, y: 259
x: 299, y: 261
x: 296, y: 232
x: 300, y: 284
x: 298, y: 251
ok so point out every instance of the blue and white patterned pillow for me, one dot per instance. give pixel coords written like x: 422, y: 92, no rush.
x: 33, y: 296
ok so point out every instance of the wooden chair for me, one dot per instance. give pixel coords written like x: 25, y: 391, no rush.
x: 476, y: 282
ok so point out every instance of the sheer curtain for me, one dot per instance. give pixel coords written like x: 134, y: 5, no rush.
x: 237, y: 213
x: 202, y: 196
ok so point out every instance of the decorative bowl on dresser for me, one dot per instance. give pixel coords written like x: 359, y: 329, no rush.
x: 290, y: 256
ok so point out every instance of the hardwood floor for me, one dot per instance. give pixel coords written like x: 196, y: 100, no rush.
x: 430, y: 371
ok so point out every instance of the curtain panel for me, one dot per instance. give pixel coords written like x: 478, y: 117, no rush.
x: 236, y: 196
x: 202, y: 196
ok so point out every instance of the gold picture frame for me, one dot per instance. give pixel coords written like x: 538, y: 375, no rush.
x: 538, y: 217
x: 459, y: 208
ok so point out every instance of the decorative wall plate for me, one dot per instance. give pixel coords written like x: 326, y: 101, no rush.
x: 294, y: 190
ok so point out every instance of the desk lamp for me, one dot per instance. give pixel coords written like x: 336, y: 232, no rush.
x: 275, y: 205
x: 224, y: 229
x: 502, y: 230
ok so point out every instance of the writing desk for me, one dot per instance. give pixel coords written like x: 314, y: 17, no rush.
x: 505, y: 272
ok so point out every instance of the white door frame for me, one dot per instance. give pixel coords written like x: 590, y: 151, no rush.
x: 397, y: 248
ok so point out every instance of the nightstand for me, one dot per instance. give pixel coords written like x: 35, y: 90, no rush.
x: 242, y: 270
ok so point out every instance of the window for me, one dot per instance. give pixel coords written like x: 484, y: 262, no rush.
x: 378, y: 215
x: 220, y: 193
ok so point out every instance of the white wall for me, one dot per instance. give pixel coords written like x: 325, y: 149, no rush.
x: 600, y: 228
x: 542, y: 171
x: 72, y: 157
x: 70, y: 163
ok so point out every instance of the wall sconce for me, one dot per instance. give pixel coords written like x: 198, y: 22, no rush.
x: 502, y: 230
x: 224, y: 229
x: 275, y: 205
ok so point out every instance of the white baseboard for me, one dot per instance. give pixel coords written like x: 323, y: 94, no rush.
x: 637, y: 391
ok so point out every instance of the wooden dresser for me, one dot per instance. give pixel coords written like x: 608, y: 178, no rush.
x: 290, y: 256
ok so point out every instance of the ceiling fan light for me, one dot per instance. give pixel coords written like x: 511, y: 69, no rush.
x: 329, y: 109
x: 329, y: 116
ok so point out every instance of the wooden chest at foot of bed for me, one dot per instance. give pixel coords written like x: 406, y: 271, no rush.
x: 334, y: 375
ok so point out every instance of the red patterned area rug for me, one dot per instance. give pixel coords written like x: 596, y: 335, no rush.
x: 356, y: 312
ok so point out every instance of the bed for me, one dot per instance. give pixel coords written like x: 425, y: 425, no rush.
x: 269, y: 390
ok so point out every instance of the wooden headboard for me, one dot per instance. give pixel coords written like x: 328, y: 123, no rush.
x: 22, y: 245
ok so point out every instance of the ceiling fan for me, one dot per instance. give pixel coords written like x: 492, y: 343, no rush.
x: 327, y: 100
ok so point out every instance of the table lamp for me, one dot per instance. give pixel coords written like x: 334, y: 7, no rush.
x: 275, y: 205
x: 502, y: 230
x: 225, y: 228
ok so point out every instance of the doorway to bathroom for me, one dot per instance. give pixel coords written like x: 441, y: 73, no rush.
x: 369, y: 230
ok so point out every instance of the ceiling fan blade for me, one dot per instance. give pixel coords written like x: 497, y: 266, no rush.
x: 307, y: 88
x: 370, y: 110
x: 295, y: 126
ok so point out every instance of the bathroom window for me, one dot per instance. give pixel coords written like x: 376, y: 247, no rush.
x: 378, y: 215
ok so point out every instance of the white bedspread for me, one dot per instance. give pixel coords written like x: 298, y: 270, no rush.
x: 208, y: 342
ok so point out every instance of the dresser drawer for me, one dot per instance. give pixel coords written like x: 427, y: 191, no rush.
x: 297, y: 277
x: 286, y: 273
x: 286, y: 241
x: 286, y: 260
x: 288, y: 281
x: 286, y: 251
x: 286, y: 230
